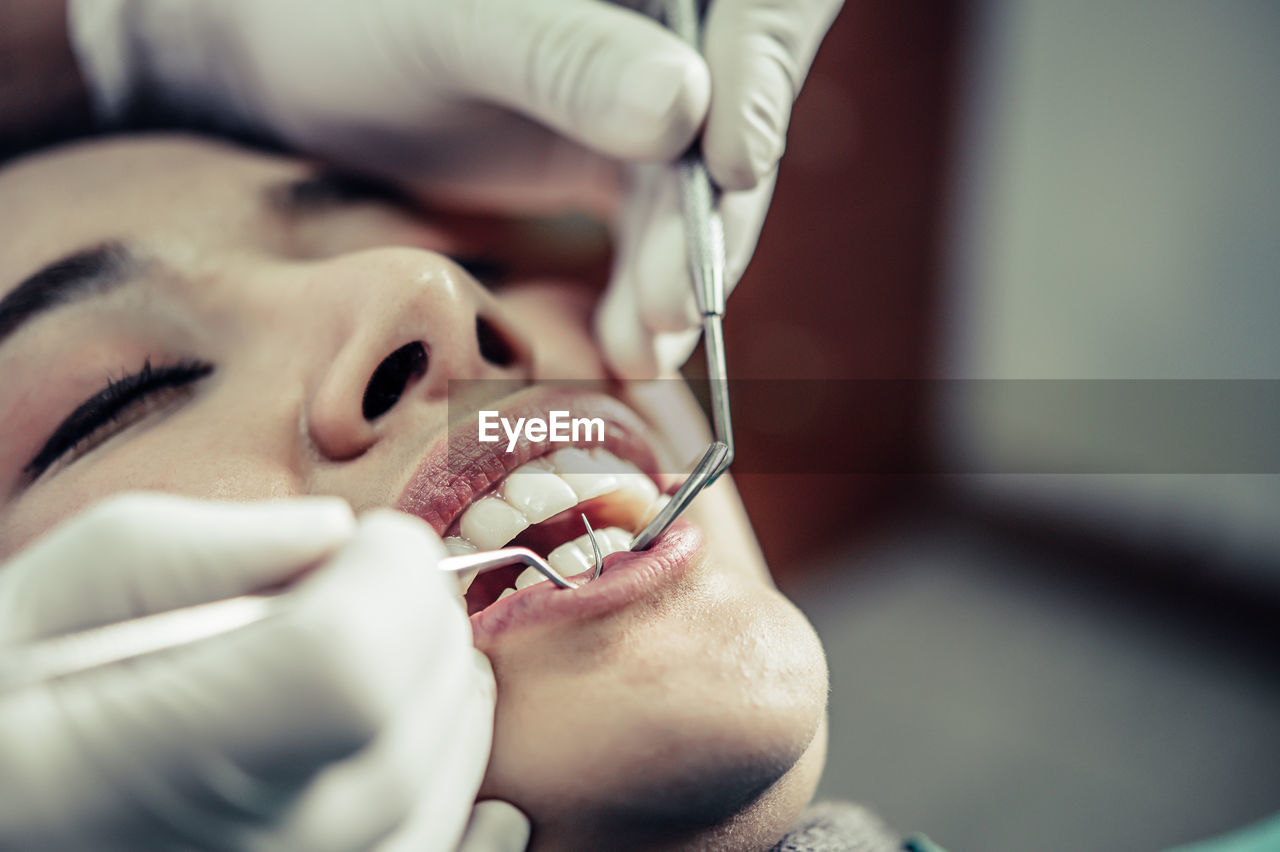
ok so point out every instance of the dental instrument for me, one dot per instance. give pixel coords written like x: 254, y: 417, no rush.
x: 595, y: 546
x: 704, y: 231
x: 37, y: 662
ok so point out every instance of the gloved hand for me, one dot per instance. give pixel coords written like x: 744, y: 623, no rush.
x: 513, y: 102
x: 360, y: 717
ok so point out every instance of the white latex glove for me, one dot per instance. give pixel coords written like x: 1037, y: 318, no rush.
x: 434, y: 90
x: 359, y: 718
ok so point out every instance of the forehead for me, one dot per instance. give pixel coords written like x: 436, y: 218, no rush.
x: 81, y: 195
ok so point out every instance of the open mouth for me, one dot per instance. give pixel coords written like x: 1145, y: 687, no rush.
x: 539, y: 506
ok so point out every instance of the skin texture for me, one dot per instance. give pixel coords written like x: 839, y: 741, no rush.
x: 690, y: 719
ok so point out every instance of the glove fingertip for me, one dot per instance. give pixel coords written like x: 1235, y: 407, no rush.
x: 327, y: 516
x: 618, y: 329
x: 740, y: 157
x: 627, y: 348
x: 632, y: 364
x: 672, y: 349
x: 496, y: 826
x: 756, y: 75
x: 660, y: 103
x: 98, y: 36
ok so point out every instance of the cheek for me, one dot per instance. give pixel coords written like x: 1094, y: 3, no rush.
x: 556, y: 318
x: 170, y: 461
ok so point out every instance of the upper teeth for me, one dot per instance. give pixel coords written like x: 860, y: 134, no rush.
x: 545, y: 487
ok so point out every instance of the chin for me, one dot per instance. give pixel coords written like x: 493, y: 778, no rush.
x: 720, y: 814
x: 689, y: 733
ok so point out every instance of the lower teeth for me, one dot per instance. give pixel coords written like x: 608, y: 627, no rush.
x: 576, y: 556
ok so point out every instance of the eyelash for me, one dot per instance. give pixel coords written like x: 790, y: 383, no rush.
x: 114, y: 408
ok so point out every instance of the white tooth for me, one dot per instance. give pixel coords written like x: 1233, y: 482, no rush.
x: 616, y: 540
x: 466, y: 578
x: 537, y: 493
x: 573, y: 557
x: 458, y: 546
x: 528, y: 577
x: 490, y: 523
x: 506, y: 593
x: 586, y: 475
x: 607, y: 459
x: 636, y: 489
x: 655, y: 507
x: 631, y: 484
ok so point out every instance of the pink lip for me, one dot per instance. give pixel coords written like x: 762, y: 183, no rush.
x: 626, y: 578
x: 459, y: 468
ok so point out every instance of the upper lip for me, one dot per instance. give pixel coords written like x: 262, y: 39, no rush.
x: 459, y: 468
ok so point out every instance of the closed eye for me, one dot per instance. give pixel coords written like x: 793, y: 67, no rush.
x: 119, y: 404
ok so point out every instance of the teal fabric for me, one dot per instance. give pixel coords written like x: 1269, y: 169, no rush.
x: 1262, y: 836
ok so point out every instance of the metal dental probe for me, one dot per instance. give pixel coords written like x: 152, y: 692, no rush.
x: 595, y: 545
x: 704, y: 230
x: 37, y: 662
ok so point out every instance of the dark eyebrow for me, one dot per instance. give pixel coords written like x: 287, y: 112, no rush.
x: 329, y: 188
x: 90, y: 272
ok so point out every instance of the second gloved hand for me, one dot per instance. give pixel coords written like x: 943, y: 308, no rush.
x: 360, y: 717
x: 758, y: 53
x: 508, y: 103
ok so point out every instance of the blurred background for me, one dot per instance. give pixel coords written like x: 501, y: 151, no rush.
x: 1032, y: 249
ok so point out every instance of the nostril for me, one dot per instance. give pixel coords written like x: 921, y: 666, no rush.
x: 396, y: 372
x: 494, y: 347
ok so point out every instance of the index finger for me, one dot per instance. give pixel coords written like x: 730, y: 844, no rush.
x: 759, y: 53
x: 143, y: 553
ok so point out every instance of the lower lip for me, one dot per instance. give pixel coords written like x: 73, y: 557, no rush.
x: 626, y: 578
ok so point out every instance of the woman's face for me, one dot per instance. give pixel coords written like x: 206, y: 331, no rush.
x: 267, y: 303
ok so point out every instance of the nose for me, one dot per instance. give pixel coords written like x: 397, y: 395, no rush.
x: 409, y: 322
